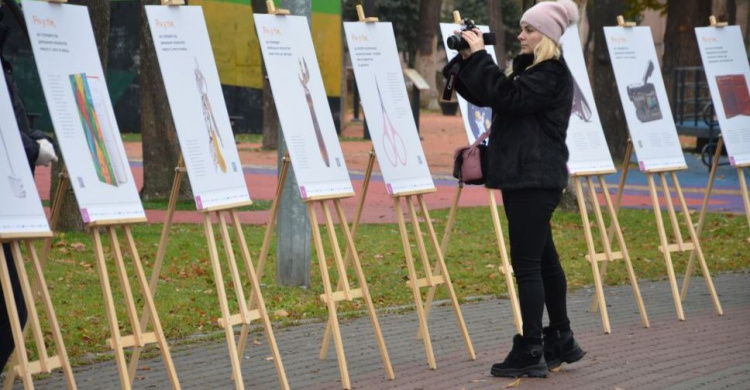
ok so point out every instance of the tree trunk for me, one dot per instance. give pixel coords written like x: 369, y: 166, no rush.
x: 725, y: 11
x: 161, y: 148
x: 427, y: 35
x: 496, y: 25
x: 680, y: 46
x: 608, y: 103
x: 526, y: 4
x: 270, y: 116
x: 69, y: 214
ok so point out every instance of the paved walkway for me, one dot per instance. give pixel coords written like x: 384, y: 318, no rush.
x: 705, y: 351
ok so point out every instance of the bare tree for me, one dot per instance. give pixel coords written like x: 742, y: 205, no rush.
x: 161, y: 149
x: 608, y: 102
x: 680, y: 46
x: 271, y: 124
x: 427, y: 39
x: 495, y: 11
x: 69, y: 217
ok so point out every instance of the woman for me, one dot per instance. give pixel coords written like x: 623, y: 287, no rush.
x: 527, y: 161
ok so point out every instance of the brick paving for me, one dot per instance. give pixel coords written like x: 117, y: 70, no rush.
x: 705, y: 351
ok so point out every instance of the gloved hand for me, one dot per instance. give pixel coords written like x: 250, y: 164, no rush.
x: 46, y: 153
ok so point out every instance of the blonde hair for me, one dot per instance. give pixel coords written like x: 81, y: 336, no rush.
x: 545, y: 50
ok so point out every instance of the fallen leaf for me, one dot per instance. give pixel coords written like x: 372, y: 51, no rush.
x: 78, y: 246
x: 256, y: 342
x: 280, y: 313
x: 515, y: 383
x: 270, y: 358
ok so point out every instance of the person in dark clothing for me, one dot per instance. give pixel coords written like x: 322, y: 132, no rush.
x: 39, y: 151
x: 527, y: 161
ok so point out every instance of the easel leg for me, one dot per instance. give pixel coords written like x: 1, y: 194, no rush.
x: 665, y: 246
x: 160, y: 253
x: 625, y: 254
x: 33, y: 315
x: 414, y: 283
x: 150, y: 307
x: 126, y: 290
x: 266, y: 245
x: 505, y: 264
x: 365, y: 290
x: 15, y: 327
x: 221, y: 291
x: 696, y: 242
x: 447, y: 278
x: 259, y: 301
x: 745, y: 195
x: 51, y: 317
x: 443, y: 248
x: 702, y: 217
x: 332, y: 316
x: 592, y: 257
x: 114, y: 328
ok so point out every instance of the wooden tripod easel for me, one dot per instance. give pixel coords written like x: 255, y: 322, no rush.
x: 709, y: 187
x: 140, y: 338
x: 343, y: 290
x: 248, y: 311
x: 607, y: 255
x: 21, y: 366
x: 680, y: 245
x: 704, y: 208
x: 505, y: 268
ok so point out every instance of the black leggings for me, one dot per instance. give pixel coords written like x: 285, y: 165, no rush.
x: 6, y: 335
x: 540, y: 277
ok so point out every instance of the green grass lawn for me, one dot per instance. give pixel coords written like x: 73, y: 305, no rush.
x: 188, y: 305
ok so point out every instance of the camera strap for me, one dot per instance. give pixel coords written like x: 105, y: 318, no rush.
x: 450, y: 82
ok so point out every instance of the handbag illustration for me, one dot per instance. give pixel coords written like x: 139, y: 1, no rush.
x: 644, y: 98
x: 470, y: 162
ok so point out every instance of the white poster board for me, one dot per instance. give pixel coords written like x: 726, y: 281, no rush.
x: 76, y: 93
x: 197, y: 104
x: 476, y: 119
x: 587, y: 145
x: 644, y: 98
x: 21, y: 210
x: 302, y: 105
x: 380, y: 80
x: 727, y: 71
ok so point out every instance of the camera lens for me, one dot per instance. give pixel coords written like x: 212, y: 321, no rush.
x: 453, y: 42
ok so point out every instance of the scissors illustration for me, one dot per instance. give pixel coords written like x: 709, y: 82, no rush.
x: 393, y: 144
x: 214, y: 138
x: 304, y: 79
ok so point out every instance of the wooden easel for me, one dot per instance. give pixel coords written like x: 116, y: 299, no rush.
x: 117, y: 342
x: 680, y: 245
x: 249, y: 310
x: 414, y: 282
x: 505, y: 268
x: 709, y: 187
x: 607, y: 255
x: 21, y: 366
x: 343, y: 291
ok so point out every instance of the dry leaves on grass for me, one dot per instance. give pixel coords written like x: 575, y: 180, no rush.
x: 281, y: 313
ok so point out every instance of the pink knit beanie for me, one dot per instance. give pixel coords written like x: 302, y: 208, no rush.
x: 551, y: 18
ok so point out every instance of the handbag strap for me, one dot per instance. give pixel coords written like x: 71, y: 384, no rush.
x: 481, y: 138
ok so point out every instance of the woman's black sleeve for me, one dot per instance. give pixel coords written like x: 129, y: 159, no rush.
x: 529, y: 93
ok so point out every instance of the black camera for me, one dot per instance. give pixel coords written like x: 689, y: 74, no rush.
x: 456, y: 42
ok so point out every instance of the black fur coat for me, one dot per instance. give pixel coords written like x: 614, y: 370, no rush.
x: 531, y: 110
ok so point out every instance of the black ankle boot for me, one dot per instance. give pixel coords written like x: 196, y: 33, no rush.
x: 526, y: 358
x: 560, y: 347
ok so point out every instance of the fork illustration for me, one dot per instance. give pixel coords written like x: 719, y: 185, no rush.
x: 304, y: 79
